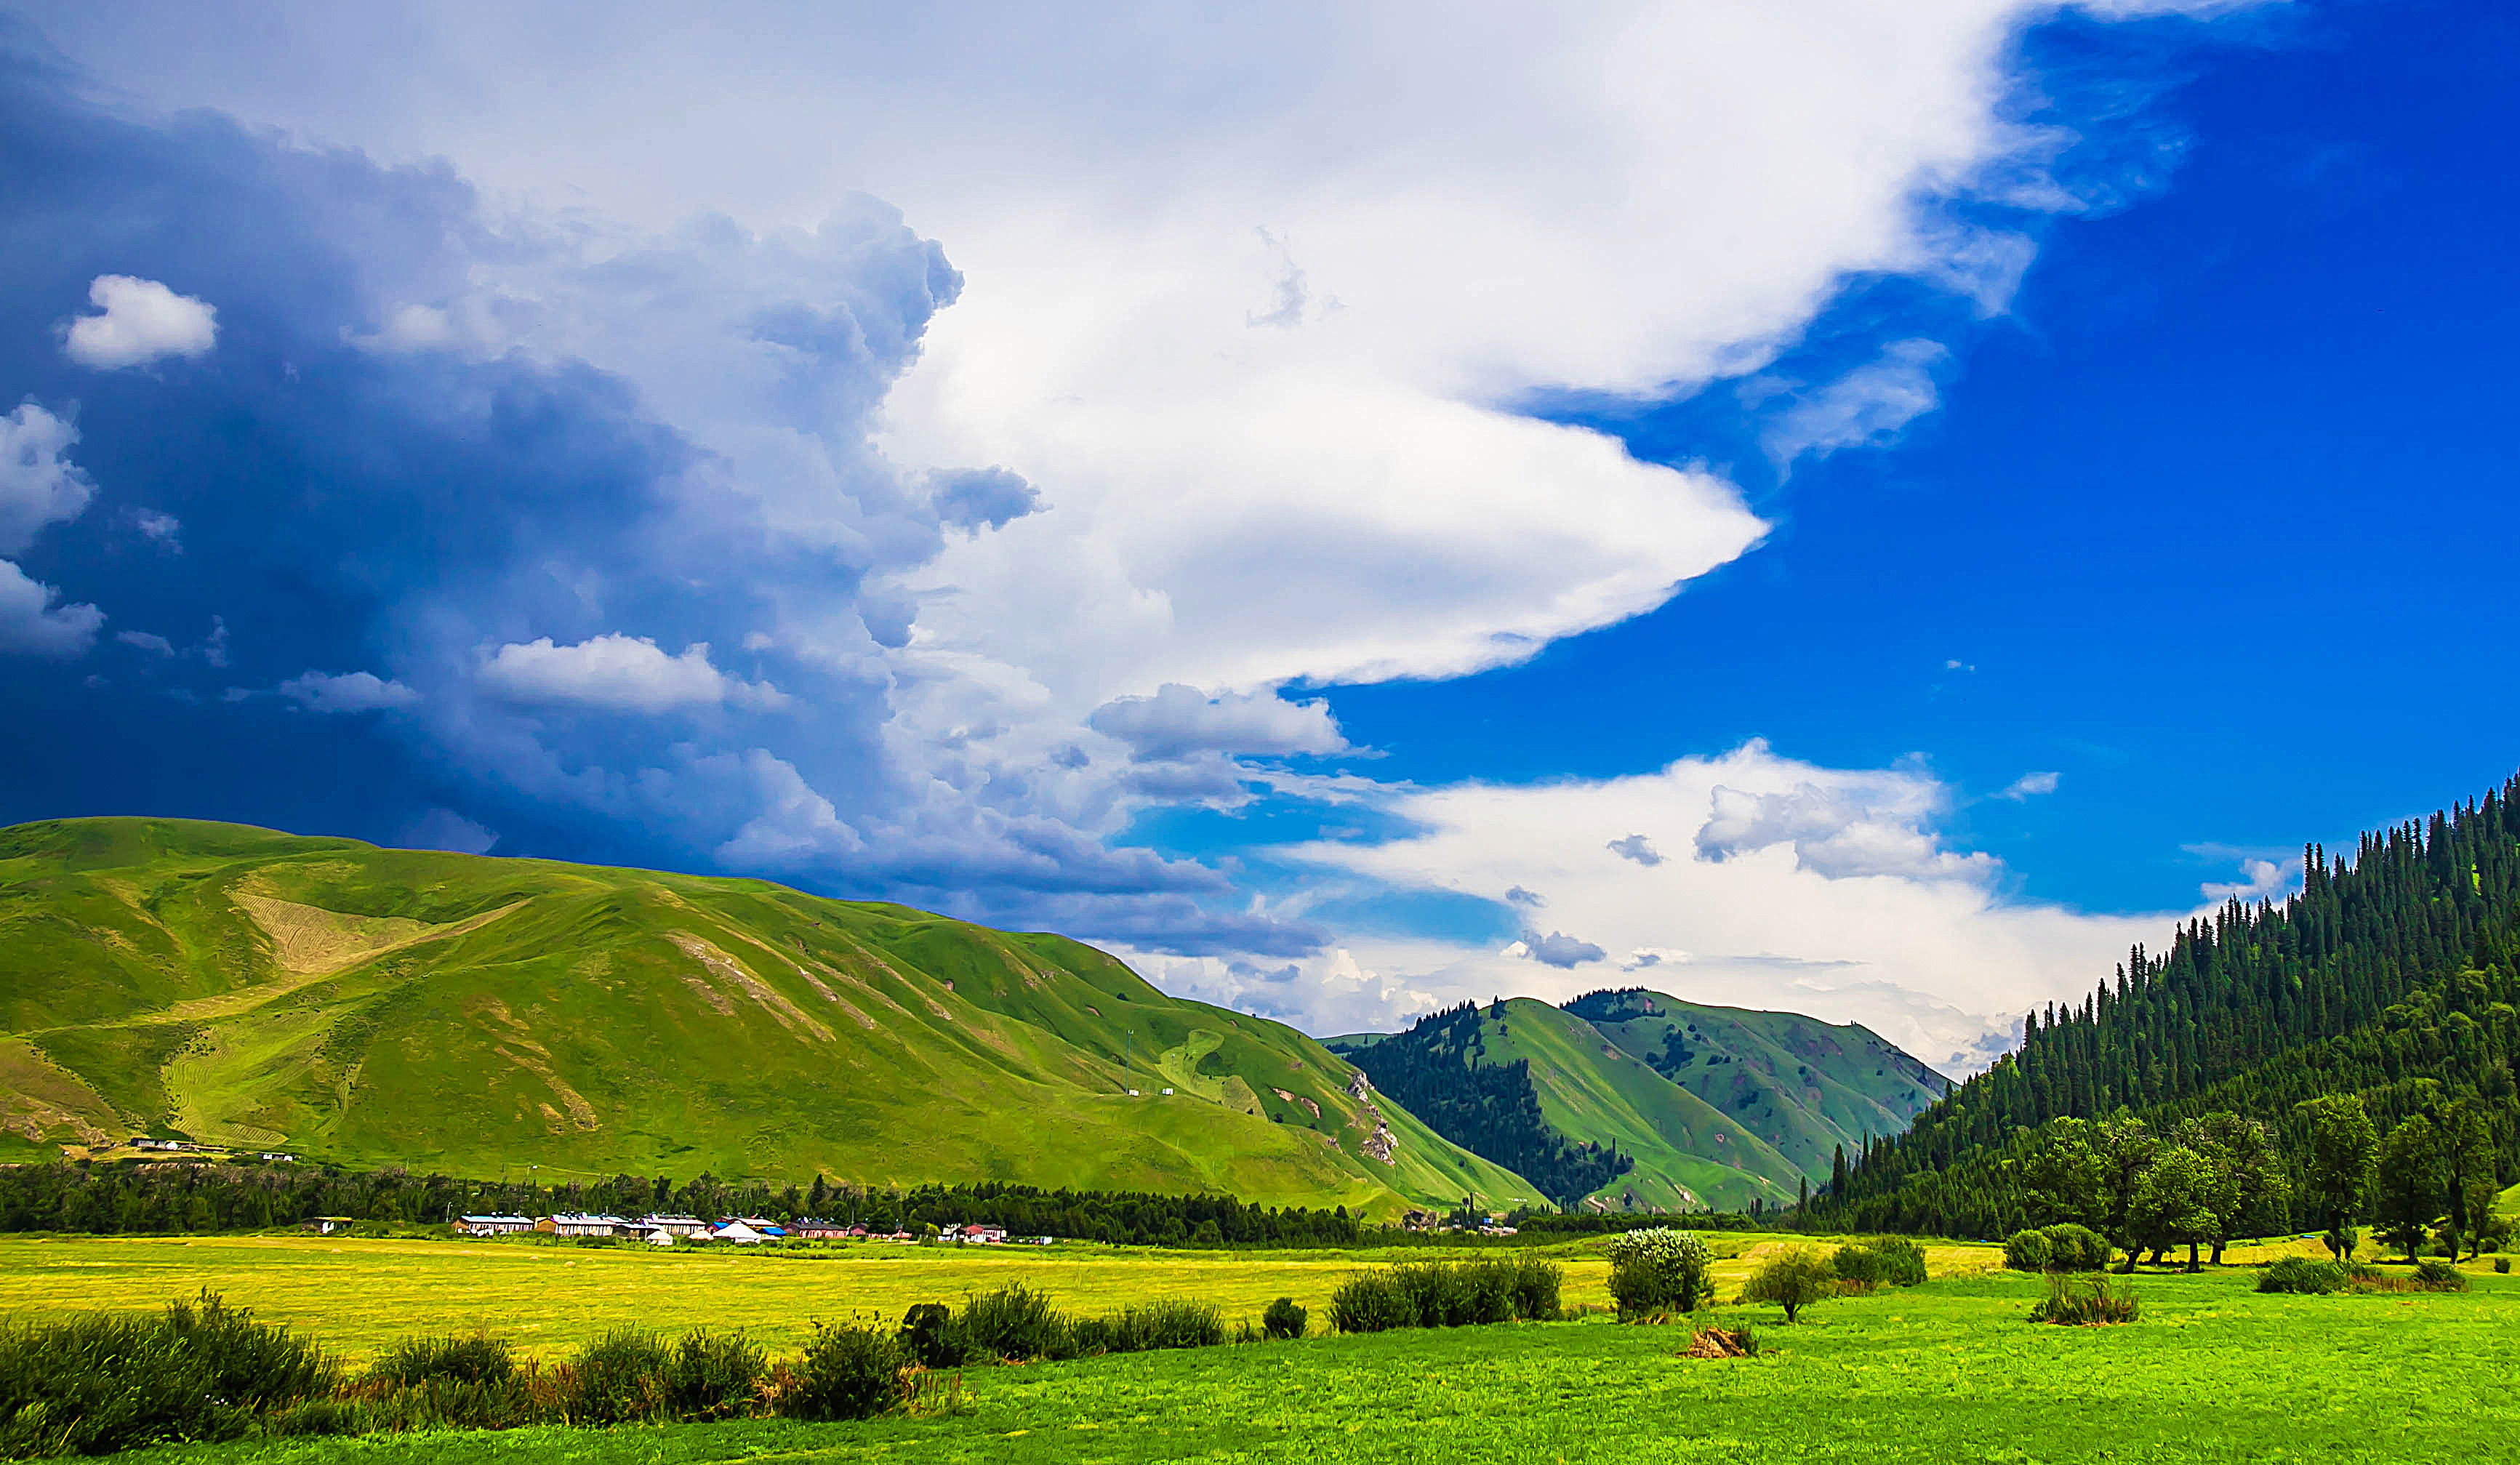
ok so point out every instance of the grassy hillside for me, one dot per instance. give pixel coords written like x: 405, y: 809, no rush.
x: 1689, y: 1154
x: 477, y: 1016
x: 1803, y: 1086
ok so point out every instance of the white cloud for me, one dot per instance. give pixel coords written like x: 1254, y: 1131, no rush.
x: 33, y: 625
x: 155, y: 645
x: 1850, y: 826
x: 618, y: 674
x: 39, y: 483
x: 1866, y: 407
x: 2260, y: 880
x: 138, y: 322
x: 2029, y: 785
x: 350, y: 691
x: 1921, y: 948
x: 1179, y: 721
x: 1557, y: 949
x: 160, y: 528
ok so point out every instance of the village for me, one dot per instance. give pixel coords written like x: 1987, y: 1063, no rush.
x: 737, y: 1230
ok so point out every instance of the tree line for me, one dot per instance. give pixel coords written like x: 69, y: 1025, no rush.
x: 1438, y: 1070
x: 172, y: 1197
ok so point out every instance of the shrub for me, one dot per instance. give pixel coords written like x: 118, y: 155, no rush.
x: 2086, y: 1302
x: 715, y: 1376
x: 617, y: 1379
x: 929, y: 1333
x: 2027, y: 1250
x: 846, y: 1373
x: 1284, y: 1319
x: 1857, y: 1265
x: 2503, y: 1265
x: 1171, y: 1323
x: 470, y: 1358
x: 2435, y: 1275
x: 1660, y: 1269
x: 1013, y: 1322
x: 452, y: 1403
x: 1793, y: 1279
x: 1891, y: 1260
x: 199, y: 1371
x: 2072, y: 1247
x: 2303, y: 1274
x: 1448, y: 1294
x: 1372, y: 1302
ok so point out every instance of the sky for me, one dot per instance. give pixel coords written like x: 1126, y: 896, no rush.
x: 1866, y: 510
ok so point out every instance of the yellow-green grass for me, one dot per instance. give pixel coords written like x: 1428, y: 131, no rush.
x: 359, y: 1296
x: 2213, y: 1373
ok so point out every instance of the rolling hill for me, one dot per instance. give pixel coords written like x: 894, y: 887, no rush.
x: 477, y: 1016
x: 1803, y: 1086
x: 1702, y: 1107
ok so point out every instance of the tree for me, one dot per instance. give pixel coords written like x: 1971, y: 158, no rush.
x: 2414, y: 1182
x: 2250, y: 1190
x: 2467, y: 1150
x: 1793, y: 1279
x: 2125, y: 1149
x: 2174, y: 1202
x: 2066, y: 1178
x: 2336, y: 1174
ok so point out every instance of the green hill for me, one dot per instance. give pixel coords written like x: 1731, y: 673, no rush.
x: 1804, y: 1087
x: 2393, y: 975
x: 1632, y: 1099
x: 477, y: 1016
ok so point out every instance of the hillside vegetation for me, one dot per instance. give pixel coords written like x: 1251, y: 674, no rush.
x: 478, y: 1016
x: 1636, y: 1100
x: 2390, y: 977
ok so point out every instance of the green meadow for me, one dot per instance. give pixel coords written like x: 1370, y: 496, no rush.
x: 1950, y: 1371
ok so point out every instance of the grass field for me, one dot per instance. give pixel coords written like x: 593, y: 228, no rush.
x: 1948, y: 1372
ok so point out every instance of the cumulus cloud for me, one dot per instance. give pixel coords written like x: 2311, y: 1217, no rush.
x: 1179, y: 721
x: 1636, y: 847
x: 616, y: 672
x: 976, y: 499
x: 39, y: 483
x: 1853, y: 826
x: 1518, y: 896
x: 2260, y: 880
x: 350, y: 691
x: 1557, y: 949
x: 33, y: 624
x: 138, y: 322
x: 2030, y: 786
x: 163, y: 530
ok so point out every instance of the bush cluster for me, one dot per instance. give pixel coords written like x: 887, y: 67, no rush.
x: 200, y: 1370
x: 2435, y: 1275
x: 1882, y: 1262
x: 1284, y: 1320
x: 2086, y: 1302
x: 1658, y: 1271
x: 2065, y: 1247
x: 2303, y: 1274
x: 1016, y: 1322
x: 1448, y: 1294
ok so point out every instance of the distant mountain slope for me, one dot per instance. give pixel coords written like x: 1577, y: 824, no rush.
x: 1592, y: 1093
x: 1705, y: 1106
x: 1803, y: 1085
x: 477, y: 1016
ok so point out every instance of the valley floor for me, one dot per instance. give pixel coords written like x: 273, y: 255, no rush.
x: 1951, y: 1372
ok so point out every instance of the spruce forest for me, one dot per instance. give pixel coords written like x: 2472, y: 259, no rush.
x: 2391, y: 977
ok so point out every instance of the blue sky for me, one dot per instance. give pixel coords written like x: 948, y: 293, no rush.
x: 1819, y: 507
